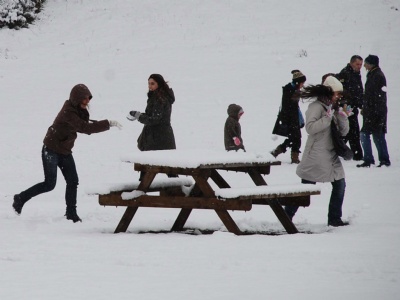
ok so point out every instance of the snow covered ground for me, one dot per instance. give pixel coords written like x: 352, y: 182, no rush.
x: 213, y: 53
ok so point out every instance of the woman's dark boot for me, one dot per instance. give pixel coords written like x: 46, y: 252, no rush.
x: 72, y: 215
x: 295, y: 158
x: 277, y: 151
x: 18, y: 204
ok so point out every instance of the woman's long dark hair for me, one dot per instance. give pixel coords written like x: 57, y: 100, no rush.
x: 163, y: 88
x: 321, y: 92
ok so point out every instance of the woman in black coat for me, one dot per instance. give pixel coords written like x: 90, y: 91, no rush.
x: 289, y: 116
x: 157, y: 133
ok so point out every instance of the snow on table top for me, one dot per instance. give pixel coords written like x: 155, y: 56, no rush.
x: 265, y: 190
x: 195, y: 158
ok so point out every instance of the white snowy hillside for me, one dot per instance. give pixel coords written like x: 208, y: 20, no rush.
x: 212, y: 53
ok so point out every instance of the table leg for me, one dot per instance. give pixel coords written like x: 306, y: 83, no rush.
x: 217, y: 178
x: 126, y: 219
x: 257, y: 177
x: 283, y: 217
x: 146, y: 181
x: 181, y: 219
x: 203, y: 185
x: 228, y: 221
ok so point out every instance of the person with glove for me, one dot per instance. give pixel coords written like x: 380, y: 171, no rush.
x: 290, y: 116
x: 157, y: 132
x: 320, y: 162
x: 232, y: 130
x: 57, y: 149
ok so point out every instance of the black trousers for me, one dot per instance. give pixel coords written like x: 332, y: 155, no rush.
x: 293, y: 140
x: 353, y: 137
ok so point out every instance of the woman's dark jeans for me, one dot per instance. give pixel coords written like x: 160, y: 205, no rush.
x: 51, y: 161
x: 335, y: 203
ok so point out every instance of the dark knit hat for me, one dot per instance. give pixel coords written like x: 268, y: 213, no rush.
x: 372, y: 60
x: 298, y: 77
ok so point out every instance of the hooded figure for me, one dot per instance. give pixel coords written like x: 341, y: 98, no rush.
x: 72, y: 118
x: 57, y: 149
x: 232, y: 130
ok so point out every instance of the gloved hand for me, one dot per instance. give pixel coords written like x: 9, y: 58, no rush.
x: 133, y: 115
x: 330, y: 112
x: 236, y: 140
x: 346, y: 111
x: 115, y: 124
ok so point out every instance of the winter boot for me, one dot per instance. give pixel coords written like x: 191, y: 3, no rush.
x: 337, y: 223
x: 277, y: 151
x: 72, y: 215
x: 295, y: 158
x: 364, y: 165
x: 18, y: 204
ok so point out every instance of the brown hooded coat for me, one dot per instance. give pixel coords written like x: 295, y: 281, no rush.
x: 232, y: 128
x: 61, y: 136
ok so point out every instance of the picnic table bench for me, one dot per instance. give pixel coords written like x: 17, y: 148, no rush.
x: 201, y: 195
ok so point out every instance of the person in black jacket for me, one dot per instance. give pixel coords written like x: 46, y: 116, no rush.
x: 289, y: 116
x: 232, y: 129
x: 157, y: 133
x: 353, y: 91
x: 374, y: 112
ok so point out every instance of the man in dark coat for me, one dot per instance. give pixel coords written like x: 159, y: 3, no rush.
x: 374, y: 113
x: 350, y: 78
x: 289, y: 116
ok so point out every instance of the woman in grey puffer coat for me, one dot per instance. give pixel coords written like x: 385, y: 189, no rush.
x: 320, y: 162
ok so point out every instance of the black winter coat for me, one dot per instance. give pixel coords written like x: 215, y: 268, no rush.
x: 290, y: 106
x: 375, y: 102
x: 352, y: 86
x: 289, y: 113
x: 157, y: 133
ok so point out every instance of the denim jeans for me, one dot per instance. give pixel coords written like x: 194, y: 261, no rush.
x: 335, y: 203
x: 51, y: 161
x: 380, y: 144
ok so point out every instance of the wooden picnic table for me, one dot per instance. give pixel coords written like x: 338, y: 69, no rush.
x: 202, y: 166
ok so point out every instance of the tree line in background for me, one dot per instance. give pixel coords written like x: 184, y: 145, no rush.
x: 16, y: 14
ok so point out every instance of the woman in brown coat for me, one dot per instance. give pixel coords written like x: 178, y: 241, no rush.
x: 57, y: 149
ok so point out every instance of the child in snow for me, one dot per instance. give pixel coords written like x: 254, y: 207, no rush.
x: 232, y: 131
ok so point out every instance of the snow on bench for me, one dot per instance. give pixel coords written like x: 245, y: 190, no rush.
x: 130, y: 187
x: 268, y: 192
